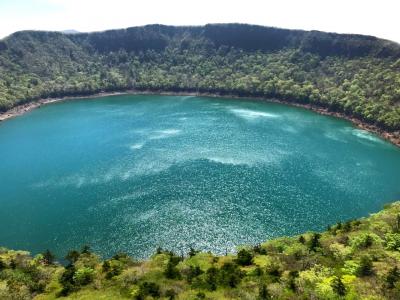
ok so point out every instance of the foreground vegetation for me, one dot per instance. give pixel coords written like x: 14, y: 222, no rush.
x: 351, y: 74
x: 357, y: 259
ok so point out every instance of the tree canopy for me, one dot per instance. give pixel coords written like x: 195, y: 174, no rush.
x: 352, y: 74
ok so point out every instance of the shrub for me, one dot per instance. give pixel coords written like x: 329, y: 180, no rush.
x: 258, y: 271
x: 83, y: 276
x: 48, y: 257
x: 230, y: 275
x: 350, y: 267
x: 291, y: 283
x: 193, y: 272
x: 2, y: 265
x: 200, y: 296
x: 170, y: 294
x: 67, y: 289
x: 274, y: 270
x: 393, y: 241
x: 365, y: 268
x: 244, y: 257
x: 339, y: 251
x: 128, y: 278
x: 396, y: 224
x: 365, y: 240
x: 106, y: 266
x: 112, y: 268
x: 171, y: 271
x: 86, y: 249
x: 263, y: 293
x: 13, y: 264
x: 338, y: 286
x: 392, y: 277
x: 368, y: 241
x: 67, y: 281
x: 347, y: 226
x: 259, y: 249
x: 72, y: 256
x: 338, y: 226
x: 148, y: 289
x: 314, y: 242
x: 192, y: 252
x: 121, y: 256
x: 68, y: 275
x: 211, y: 278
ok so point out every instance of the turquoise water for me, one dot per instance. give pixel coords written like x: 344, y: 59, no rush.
x: 130, y: 173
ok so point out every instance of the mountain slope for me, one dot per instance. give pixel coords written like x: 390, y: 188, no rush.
x: 352, y: 74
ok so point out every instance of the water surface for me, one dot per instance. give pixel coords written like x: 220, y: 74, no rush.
x: 130, y: 173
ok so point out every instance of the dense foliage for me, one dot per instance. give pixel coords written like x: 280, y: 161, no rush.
x: 353, y: 260
x: 355, y: 75
x: 352, y: 74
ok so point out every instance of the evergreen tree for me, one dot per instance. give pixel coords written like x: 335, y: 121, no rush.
x: 314, y: 242
x: 192, y: 252
x: 211, y: 278
x: 48, y: 257
x: 72, y: 256
x: 2, y: 265
x: 85, y: 249
x: 171, y: 271
x: 263, y: 293
x: 392, y: 277
x: 365, y: 268
x: 338, y: 286
x: 244, y: 257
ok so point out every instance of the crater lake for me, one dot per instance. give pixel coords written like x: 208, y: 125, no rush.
x: 135, y: 172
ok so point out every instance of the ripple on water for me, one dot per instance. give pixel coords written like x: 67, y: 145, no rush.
x: 363, y: 134
x: 136, y: 146
x: 248, y: 114
x: 184, y: 173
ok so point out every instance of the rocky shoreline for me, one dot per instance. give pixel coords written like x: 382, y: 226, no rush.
x: 24, y: 108
x: 393, y: 137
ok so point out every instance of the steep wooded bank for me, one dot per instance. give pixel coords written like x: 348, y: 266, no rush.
x: 357, y: 259
x: 351, y: 74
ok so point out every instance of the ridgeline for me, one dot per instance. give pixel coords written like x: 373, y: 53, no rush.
x: 354, y: 75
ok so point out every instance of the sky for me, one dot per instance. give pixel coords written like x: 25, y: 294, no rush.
x: 379, y: 18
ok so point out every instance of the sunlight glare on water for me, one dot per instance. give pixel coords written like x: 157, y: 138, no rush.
x: 131, y: 173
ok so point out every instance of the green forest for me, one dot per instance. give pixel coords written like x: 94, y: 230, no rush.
x: 351, y: 74
x: 357, y: 259
x: 355, y: 75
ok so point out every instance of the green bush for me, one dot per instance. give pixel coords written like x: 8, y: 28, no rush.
x: 148, y: 289
x: 393, y: 241
x: 365, y: 267
x: 338, y: 286
x: 171, y: 271
x: 244, y: 257
x: 83, y: 276
x: 230, y: 275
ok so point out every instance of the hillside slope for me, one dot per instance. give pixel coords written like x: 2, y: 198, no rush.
x: 355, y: 260
x: 351, y: 74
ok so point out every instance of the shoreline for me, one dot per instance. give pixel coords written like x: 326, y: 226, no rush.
x: 392, y: 137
